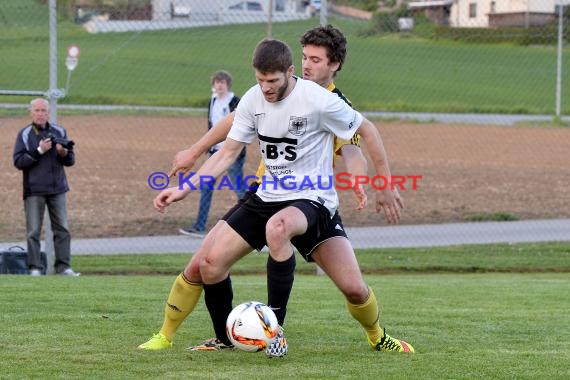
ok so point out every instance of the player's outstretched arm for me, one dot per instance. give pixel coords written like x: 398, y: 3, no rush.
x: 214, y: 167
x: 356, y: 165
x: 168, y: 196
x: 185, y: 159
x: 387, y: 199
x: 218, y: 162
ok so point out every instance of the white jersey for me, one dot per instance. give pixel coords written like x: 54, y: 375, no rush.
x: 219, y: 108
x: 296, y: 140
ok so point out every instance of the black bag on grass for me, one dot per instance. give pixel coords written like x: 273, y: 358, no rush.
x: 13, y: 261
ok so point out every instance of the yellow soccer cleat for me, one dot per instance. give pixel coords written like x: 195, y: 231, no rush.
x: 389, y: 344
x: 157, y: 342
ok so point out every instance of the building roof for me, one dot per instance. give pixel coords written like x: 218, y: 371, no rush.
x: 429, y: 4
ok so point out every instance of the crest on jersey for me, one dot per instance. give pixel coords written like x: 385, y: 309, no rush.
x: 297, y: 125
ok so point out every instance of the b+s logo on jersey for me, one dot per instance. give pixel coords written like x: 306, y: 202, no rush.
x: 273, y: 147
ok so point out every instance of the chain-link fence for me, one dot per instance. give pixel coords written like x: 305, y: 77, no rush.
x: 157, y: 52
x: 141, y: 81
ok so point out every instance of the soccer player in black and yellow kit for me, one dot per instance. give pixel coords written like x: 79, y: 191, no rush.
x: 324, y: 51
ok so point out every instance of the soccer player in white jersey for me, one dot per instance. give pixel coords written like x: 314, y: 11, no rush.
x: 324, y: 53
x: 294, y: 120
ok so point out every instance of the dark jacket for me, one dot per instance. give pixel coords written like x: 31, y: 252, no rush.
x: 233, y: 105
x: 43, y: 174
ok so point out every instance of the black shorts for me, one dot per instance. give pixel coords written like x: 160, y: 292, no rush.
x: 249, y: 218
x: 241, y: 201
x: 335, y: 229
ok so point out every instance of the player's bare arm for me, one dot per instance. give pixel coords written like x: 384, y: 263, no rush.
x: 214, y: 166
x: 185, y: 159
x: 387, y: 200
x: 356, y: 165
x: 168, y: 196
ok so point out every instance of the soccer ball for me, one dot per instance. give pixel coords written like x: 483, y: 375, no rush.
x: 252, y: 326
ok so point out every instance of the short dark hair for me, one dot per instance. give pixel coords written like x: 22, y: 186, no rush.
x: 330, y: 38
x: 222, y: 75
x: 272, y: 56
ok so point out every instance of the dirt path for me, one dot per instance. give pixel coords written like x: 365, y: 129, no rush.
x: 522, y: 172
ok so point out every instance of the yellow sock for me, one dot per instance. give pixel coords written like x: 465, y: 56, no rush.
x: 183, y: 297
x: 368, y: 315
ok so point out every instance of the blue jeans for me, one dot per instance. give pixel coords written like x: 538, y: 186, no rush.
x: 34, y: 207
x: 235, y: 170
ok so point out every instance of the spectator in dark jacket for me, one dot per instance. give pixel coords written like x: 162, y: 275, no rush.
x: 41, y: 153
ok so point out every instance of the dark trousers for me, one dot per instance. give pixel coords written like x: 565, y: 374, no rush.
x: 34, y: 207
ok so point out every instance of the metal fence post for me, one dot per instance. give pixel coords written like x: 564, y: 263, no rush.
x: 53, y: 93
x: 559, y: 59
x: 323, y: 13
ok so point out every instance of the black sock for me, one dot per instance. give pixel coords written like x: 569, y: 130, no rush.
x: 280, y: 276
x: 218, y: 298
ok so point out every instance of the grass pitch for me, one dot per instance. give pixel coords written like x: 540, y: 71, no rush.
x: 462, y: 325
x: 171, y: 67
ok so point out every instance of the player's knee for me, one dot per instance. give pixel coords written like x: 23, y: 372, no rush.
x: 206, y: 268
x: 192, y: 271
x: 276, y: 231
x: 356, y: 293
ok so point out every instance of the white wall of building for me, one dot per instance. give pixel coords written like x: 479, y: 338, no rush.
x: 209, y: 8
x: 460, y: 10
